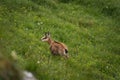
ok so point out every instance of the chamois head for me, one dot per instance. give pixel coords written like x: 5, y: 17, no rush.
x: 46, y: 37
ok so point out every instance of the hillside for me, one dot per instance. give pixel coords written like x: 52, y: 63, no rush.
x: 91, y: 32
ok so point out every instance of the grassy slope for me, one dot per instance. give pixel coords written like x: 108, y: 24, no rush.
x: 92, y: 39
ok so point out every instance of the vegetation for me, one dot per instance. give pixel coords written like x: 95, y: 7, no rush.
x: 90, y: 29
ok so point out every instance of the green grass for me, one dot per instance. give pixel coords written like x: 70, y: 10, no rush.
x: 92, y: 38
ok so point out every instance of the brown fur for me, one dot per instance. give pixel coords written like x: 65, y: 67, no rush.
x: 56, y: 48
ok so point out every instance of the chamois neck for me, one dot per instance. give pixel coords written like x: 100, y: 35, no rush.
x: 50, y: 41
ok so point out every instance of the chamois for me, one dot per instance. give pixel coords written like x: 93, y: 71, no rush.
x: 56, y: 48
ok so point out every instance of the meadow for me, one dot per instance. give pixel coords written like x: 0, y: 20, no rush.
x: 90, y: 29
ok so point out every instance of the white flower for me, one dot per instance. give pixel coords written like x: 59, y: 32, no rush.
x: 38, y: 62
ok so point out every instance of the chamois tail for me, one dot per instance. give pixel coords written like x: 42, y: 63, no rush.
x: 66, y: 51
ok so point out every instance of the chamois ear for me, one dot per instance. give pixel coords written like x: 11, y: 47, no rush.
x: 48, y: 34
